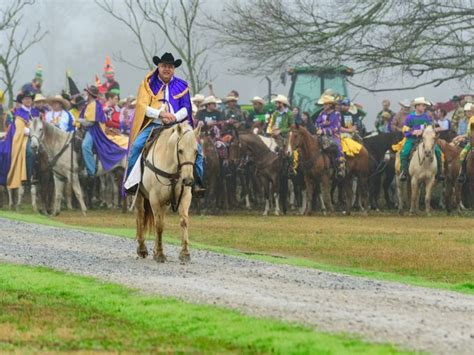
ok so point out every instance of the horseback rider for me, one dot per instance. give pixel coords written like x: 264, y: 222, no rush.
x: 350, y: 120
x: 232, y: 110
x: 282, y: 119
x: 16, y: 155
x: 469, y: 112
x: 92, y: 119
x: 384, y: 118
x: 59, y: 116
x: 397, y: 122
x: 162, y: 99
x: 413, y: 128
x: 258, y: 112
x: 328, y: 124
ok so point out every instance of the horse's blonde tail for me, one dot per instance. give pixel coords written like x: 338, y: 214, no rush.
x: 148, y: 219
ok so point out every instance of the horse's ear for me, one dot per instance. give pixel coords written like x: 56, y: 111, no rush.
x: 197, y: 130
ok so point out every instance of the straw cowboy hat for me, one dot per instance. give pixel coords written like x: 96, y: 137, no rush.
x: 405, y: 103
x: 39, y: 98
x: 282, y: 99
x: 58, y: 98
x: 468, y: 106
x: 421, y: 101
x: 209, y: 100
x: 353, y: 108
x: 326, y: 99
x: 258, y: 99
x: 230, y: 98
x: 197, y: 98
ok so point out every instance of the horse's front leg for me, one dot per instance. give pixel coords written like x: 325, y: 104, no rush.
x: 184, y: 255
x: 58, y: 195
x: 76, y: 187
x: 159, y: 214
x: 142, y: 251
x: 325, y: 186
x: 429, y: 188
x: 415, y: 195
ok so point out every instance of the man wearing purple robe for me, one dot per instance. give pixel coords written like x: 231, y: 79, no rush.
x: 328, y: 124
x: 92, y: 118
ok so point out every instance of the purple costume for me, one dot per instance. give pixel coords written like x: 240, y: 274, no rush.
x: 330, y: 125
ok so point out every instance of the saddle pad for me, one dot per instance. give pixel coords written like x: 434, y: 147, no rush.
x: 350, y: 147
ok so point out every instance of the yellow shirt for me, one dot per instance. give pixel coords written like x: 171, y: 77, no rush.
x: 470, y: 125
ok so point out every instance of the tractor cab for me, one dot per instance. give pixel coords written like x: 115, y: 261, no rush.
x: 308, y: 84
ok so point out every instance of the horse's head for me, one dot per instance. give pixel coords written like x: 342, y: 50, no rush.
x: 429, y: 140
x: 36, y: 133
x: 186, y: 146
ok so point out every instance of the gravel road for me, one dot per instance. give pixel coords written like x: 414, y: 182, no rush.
x: 413, y: 317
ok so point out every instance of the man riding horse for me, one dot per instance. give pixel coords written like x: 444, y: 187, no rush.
x: 469, y: 110
x: 162, y: 99
x: 413, y: 128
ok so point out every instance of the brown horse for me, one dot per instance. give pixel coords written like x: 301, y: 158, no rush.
x: 317, y: 169
x: 470, y: 168
x: 316, y: 166
x: 211, y: 171
x: 452, y: 189
x: 267, y: 163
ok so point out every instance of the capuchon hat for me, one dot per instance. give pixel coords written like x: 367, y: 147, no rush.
x: 167, y: 58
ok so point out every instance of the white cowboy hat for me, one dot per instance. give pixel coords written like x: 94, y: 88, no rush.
x: 39, y: 98
x: 405, y: 103
x: 58, y: 98
x: 230, y: 98
x: 258, y: 99
x: 326, y: 99
x: 468, y: 99
x: 198, y: 98
x: 468, y: 106
x: 282, y: 99
x: 421, y: 101
x: 209, y: 100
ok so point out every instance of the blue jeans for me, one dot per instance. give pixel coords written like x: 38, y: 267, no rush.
x: 30, y: 160
x: 140, y: 141
x: 87, y: 145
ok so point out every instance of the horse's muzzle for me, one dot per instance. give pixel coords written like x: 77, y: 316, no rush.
x: 188, y: 181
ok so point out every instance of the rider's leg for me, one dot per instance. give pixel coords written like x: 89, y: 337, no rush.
x: 462, y: 157
x: 30, y: 160
x: 404, y: 156
x: 439, y: 163
x: 138, y: 145
x: 341, y: 159
x: 199, y: 162
x: 87, y: 145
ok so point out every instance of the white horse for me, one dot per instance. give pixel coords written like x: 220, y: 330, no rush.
x: 422, y: 169
x: 59, y: 146
x: 167, y: 179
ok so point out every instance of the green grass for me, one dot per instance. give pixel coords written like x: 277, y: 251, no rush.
x: 430, y: 252
x: 44, y: 310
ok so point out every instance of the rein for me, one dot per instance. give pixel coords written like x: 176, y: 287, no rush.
x: 172, y: 177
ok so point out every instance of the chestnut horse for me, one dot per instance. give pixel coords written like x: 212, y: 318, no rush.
x: 452, y: 191
x: 317, y: 169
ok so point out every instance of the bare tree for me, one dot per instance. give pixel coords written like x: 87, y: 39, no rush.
x: 430, y: 40
x: 13, y: 44
x: 176, y: 23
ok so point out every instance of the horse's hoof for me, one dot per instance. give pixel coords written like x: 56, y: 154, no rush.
x: 142, y: 251
x: 159, y: 258
x: 277, y: 213
x: 184, y: 257
x: 265, y: 213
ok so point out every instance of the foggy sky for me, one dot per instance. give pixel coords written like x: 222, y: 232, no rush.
x: 80, y: 35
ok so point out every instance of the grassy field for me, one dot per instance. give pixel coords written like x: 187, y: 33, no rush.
x: 48, y: 311
x: 433, y: 252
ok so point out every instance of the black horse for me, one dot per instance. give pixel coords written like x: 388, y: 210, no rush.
x: 379, y: 165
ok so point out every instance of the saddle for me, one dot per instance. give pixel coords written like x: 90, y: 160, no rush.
x: 328, y: 145
x: 154, y: 134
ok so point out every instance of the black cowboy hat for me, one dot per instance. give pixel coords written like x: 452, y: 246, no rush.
x: 167, y: 58
x: 78, y: 100
x: 21, y: 96
x: 92, y: 90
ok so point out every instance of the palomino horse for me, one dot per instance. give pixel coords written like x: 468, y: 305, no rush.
x: 422, y: 169
x: 167, y: 179
x: 452, y: 190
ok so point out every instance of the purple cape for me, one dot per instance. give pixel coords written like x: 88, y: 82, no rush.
x: 6, y: 145
x: 109, y: 153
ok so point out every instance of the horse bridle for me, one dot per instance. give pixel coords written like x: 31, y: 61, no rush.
x: 172, y: 177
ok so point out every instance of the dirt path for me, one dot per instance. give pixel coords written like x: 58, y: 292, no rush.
x: 413, y: 317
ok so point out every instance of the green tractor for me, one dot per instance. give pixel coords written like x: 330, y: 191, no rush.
x: 309, y: 83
